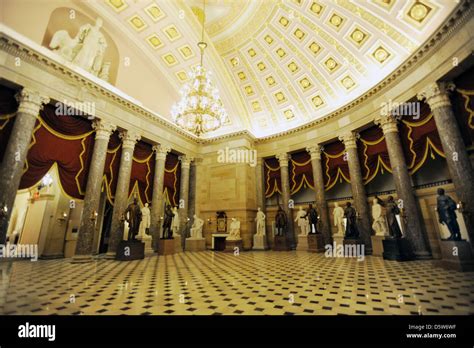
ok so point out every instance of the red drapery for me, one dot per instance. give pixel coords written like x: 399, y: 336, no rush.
x: 334, y: 164
x: 172, y: 179
x: 8, y: 107
x: 143, y: 170
x: 112, y: 166
x: 462, y: 100
x: 64, y: 141
x: 271, y: 172
x: 373, y: 154
x: 301, y: 171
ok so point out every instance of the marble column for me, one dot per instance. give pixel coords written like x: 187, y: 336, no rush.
x: 414, y: 230
x: 157, y: 198
x: 184, y: 194
x: 459, y: 165
x: 358, y: 189
x: 129, y: 139
x: 283, y: 159
x: 259, y: 184
x: 11, y: 170
x: 192, y: 193
x: 321, y: 205
x: 87, y: 226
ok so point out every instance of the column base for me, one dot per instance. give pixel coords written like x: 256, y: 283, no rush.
x: 166, y: 247
x: 198, y: 244
x: 397, y: 250
x: 260, y: 242
x: 302, y: 243
x: 315, y: 243
x: 230, y: 245
x: 82, y: 259
x: 280, y: 244
x: 109, y: 255
x: 377, y: 245
x: 130, y: 250
x: 456, y: 255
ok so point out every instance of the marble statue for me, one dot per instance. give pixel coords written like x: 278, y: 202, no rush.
x: 86, y: 49
x: 380, y: 224
x: 133, y: 216
x: 168, y: 218
x: 392, y: 211
x: 446, y: 208
x: 175, y: 222
x: 351, y: 227
x: 313, y: 217
x: 145, y: 223
x: 196, y: 228
x: 234, y: 232
x: 302, y: 221
x: 338, y: 215
x: 281, y: 222
x: 260, y: 219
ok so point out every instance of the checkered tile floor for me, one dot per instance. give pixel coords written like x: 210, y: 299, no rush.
x: 253, y: 283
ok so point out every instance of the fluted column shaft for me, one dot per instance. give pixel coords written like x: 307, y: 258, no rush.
x: 184, y: 193
x: 358, y: 189
x: 11, y: 170
x: 129, y: 139
x: 157, y: 198
x: 321, y: 205
x: 459, y: 165
x: 259, y: 185
x: 87, y: 226
x: 285, y: 192
x: 414, y: 231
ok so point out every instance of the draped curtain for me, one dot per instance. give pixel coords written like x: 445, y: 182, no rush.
x: 335, y: 164
x: 272, y: 174
x: 8, y: 107
x: 143, y: 170
x: 172, y: 179
x: 373, y: 154
x: 112, y: 166
x: 301, y: 171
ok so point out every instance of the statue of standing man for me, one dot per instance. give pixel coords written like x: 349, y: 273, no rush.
x: 446, y: 208
x: 260, y: 219
x: 133, y: 216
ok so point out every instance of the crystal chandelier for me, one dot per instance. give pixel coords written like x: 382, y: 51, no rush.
x: 200, y: 109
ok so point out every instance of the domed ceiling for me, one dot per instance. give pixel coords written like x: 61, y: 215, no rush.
x: 280, y: 64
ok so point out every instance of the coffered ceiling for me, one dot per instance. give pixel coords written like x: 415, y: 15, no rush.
x: 280, y: 64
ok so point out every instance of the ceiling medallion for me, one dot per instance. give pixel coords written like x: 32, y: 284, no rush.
x: 200, y: 109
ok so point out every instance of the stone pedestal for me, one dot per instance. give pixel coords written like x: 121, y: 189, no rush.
x: 280, y: 244
x: 338, y: 239
x: 166, y: 247
x: 397, y: 249
x: 148, y: 247
x: 315, y: 243
x: 302, y: 243
x: 178, y: 247
x: 456, y: 255
x: 198, y: 244
x: 231, y: 245
x: 130, y: 250
x: 260, y: 242
x: 377, y: 245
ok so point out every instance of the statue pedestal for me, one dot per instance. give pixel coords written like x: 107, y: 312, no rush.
x: 166, y: 247
x: 260, y: 242
x: 338, y: 239
x: 302, y: 243
x: 397, y: 249
x: 230, y: 245
x: 377, y: 245
x: 195, y: 244
x: 280, y: 244
x: 315, y: 243
x: 130, y: 250
x: 456, y: 255
x: 177, y: 244
x: 147, y: 241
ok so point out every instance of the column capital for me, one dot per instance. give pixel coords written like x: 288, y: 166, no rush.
x: 185, y: 161
x: 30, y: 101
x: 103, y: 129
x: 388, y: 123
x: 283, y: 158
x: 436, y: 94
x: 129, y: 138
x: 349, y: 139
x: 161, y: 150
x: 315, y: 151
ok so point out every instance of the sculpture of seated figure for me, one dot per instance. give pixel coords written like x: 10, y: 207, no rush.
x: 196, y: 228
x: 234, y: 233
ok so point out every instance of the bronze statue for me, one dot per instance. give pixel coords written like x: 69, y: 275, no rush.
x: 168, y: 219
x: 312, y: 216
x: 280, y: 222
x: 446, y: 208
x: 133, y: 216
x: 391, y: 212
x: 351, y: 224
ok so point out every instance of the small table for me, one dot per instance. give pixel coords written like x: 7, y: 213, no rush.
x: 218, y: 235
